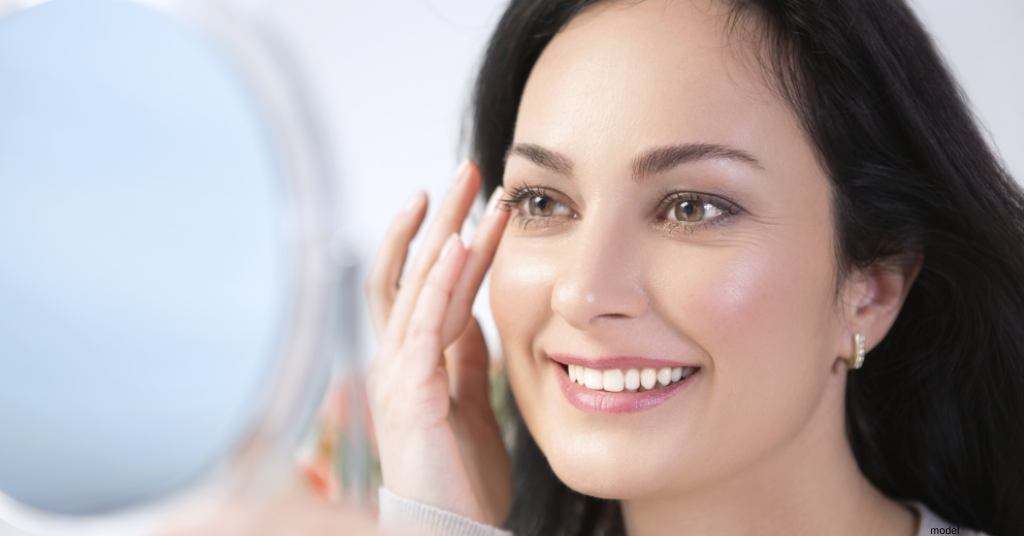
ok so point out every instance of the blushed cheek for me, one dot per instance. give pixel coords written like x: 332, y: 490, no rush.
x: 746, y: 302
x: 755, y: 309
x: 751, y: 311
x: 522, y: 276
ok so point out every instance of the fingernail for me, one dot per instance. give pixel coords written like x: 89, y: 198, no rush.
x: 493, y: 202
x: 449, y: 245
x: 462, y: 172
x: 413, y: 201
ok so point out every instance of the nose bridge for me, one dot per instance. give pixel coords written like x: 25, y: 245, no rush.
x: 601, y: 277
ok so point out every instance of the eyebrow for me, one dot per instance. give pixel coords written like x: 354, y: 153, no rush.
x: 653, y: 161
x: 662, y: 159
x: 544, y: 158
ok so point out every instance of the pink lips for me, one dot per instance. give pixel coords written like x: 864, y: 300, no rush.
x: 622, y: 402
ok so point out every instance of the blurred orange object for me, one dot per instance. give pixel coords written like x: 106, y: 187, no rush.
x: 343, y: 463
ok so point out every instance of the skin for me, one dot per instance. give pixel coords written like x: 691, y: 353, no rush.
x: 756, y: 443
x: 437, y: 437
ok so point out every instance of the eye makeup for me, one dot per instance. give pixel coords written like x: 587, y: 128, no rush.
x: 677, y: 210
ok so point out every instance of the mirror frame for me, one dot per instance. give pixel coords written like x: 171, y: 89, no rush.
x: 301, y: 370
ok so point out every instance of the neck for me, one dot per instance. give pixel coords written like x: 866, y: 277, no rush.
x: 810, y: 485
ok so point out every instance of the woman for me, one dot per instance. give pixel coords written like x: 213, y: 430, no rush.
x: 708, y: 212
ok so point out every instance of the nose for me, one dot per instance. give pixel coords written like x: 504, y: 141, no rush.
x: 600, y: 281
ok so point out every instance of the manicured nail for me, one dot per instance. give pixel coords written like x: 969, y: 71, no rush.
x: 449, y: 245
x: 492, y: 204
x: 413, y: 201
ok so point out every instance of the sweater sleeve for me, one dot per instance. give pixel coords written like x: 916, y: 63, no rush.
x: 399, y: 513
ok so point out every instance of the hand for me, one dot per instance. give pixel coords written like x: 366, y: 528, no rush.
x: 438, y: 439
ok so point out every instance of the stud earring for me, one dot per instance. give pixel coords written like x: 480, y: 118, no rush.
x: 858, y: 353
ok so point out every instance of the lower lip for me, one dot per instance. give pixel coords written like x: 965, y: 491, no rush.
x: 622, y: 402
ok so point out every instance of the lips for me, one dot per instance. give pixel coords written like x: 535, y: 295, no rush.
x: 627, y: 384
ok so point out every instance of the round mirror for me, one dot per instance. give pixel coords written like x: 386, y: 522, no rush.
x: 164, y: 275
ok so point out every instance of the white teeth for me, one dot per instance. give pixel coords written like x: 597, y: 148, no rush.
x: 617, y: 380
x: 613, y: 380
x: 593, y: 379
x: 632, y: 380
x: 648, y: 377
x: 664, y: 376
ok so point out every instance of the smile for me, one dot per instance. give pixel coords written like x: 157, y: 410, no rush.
x: 620, y: 385
x: 632, y: 380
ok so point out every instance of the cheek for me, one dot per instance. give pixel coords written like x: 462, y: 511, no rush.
x: 743, y: 301
x: 522, y: 276
x: 761, y: 312
x: 521, y: 280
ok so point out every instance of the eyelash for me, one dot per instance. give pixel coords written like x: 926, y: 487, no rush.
x: 669, y: 199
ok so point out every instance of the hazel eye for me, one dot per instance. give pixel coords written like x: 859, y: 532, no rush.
x: 542, y: 206
x: 694, y: 211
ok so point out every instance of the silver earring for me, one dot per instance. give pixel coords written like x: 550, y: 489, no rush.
x: 857, y: 360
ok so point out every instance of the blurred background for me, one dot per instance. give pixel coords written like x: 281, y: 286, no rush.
x: 391, y: 84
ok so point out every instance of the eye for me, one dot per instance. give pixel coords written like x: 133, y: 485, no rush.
x: 694, y: 211
x: 542, y: 206
x: 697, y: 208
x: 531, y: 205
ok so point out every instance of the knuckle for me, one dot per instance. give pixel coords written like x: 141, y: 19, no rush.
x: 463, y: 301
x: 417, y: 328
x: 432, y: 281
x: 435, y: 278
x: 422, y: 331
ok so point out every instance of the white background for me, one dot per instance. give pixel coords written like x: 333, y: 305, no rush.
x: 393, y: 81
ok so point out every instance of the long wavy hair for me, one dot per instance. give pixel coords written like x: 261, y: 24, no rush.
x: 936, y: 414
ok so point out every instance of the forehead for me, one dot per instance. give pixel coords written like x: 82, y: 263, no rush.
x: 622, y: 77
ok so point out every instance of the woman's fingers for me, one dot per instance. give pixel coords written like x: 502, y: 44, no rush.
x: 478, y: 260
x: 424, y: 331
x: 451, y: 214
x: 469, y: 364
x: 382, y: 283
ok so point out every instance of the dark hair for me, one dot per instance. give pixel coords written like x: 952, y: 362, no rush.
x: 936, y: 414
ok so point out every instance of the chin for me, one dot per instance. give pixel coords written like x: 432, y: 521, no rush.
x: 615, y: 484
x: 616, y: 465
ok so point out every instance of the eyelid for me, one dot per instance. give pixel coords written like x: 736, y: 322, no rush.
x: 518, y: 194
x: 669, y: 199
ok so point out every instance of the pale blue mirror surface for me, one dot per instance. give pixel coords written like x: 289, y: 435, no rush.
x: 143, y: 268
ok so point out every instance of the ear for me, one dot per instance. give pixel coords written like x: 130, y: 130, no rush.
x: 870, y: 300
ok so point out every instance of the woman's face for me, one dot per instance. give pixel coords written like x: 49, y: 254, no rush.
x: 673, y: 214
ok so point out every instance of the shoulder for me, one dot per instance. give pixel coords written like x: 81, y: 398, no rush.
x: 933, y: 524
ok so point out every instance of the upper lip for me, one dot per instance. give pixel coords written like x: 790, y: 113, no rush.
x: 616, y: 362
